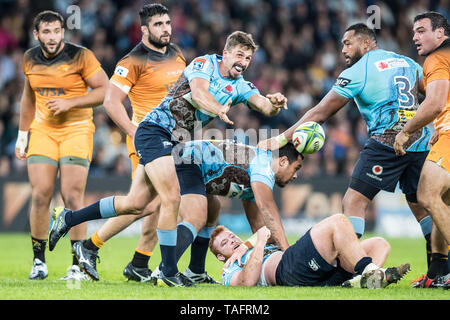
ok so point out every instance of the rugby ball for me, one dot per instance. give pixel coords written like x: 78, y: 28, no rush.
x: 309, y: 137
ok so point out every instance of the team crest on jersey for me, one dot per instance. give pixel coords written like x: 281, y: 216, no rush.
x: 64, y: 67
x: 199, y: 64
x: 121, y: 71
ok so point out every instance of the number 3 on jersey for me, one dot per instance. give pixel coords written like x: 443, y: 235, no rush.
x: 406, y: 99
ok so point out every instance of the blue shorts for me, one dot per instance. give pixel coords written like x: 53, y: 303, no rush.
x: 152, y: 142
x: 190, y: 179
x: 302, y: 265
x: 379, y: 167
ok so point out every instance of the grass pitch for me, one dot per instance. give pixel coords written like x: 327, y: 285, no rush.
x: 16, y: 261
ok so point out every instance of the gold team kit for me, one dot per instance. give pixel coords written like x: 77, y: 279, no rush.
x: 146, y: 76
x: 437, y: 67
x: 66, y: 138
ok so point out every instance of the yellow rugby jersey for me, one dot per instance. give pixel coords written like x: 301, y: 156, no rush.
x: 147, y: 75
x: 62, y: 77
x: 437, y: 67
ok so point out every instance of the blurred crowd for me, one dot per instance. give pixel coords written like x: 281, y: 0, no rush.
x: 298, y: 55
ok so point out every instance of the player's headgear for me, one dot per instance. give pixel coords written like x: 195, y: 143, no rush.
x: 150, y: 10
x: 47, y: 16
x: 437, y: 21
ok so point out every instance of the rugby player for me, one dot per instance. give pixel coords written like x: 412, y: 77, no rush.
x: 56, y: 116
x: 431, y: 37
x: 145, y: 75
x: 207, y: 88
x: 329, y: 254
x: 384, y: 86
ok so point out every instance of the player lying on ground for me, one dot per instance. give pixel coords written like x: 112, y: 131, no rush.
x: 329, y: 254
x: 210, y: 167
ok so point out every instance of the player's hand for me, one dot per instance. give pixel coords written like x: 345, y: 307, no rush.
x: 263, y: 235
x: 236, y: 256
x: 223, y: 112
x: 21, y: 145
x: 269, y: 144
x: 433, y: 139
x: 58, y: 106
x: 400, y: 139
x: 277, y: 100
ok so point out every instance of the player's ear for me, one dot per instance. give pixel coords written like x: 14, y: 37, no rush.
x: 144, y: 30
x: 220, y: 257
x: 35, y: 34
x: 284, y: 162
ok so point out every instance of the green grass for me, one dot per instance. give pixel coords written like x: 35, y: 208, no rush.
x: 16, y: 261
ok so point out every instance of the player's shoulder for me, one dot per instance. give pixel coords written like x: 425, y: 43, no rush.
x: 32, y: 54
x: 441, y: 54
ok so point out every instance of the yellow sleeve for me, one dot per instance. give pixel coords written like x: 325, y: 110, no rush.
x: 126, y: 73
x: 89, y: 64
x: 437, y: 67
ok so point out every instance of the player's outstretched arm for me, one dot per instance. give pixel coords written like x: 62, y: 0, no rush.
x: 270, y: 105
x: 326, y: 108
x: 268, y: 208
x: 250, y: 273
x: 206, y: 101
x: 27, y: 111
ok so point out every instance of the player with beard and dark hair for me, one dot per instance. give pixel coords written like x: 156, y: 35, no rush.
x: 56, y: 110
x: 385, y: 87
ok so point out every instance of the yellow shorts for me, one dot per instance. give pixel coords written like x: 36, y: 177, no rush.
x: 440, y: 152
x: 57, y: 142
x: 134, y: 158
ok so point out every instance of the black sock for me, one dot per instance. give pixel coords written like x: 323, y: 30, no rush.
x: 88, y: 244
x: 88, y: 213
x: 39, y: 248
x: 74, y: 259
x: 428, y: 249
x: 199, y: 249
x: 438, y: 265
x: 140, y: 260
x: 362, y: 264
x: 184, y: 240
x: 168, y: 266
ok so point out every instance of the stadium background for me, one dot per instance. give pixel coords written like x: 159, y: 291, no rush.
x: 299, y: 55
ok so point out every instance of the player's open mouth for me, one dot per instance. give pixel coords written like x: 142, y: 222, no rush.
x: 238, y: 68
x: 236, y: 246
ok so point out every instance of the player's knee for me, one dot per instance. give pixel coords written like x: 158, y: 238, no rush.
x: 41, y: 198
x: 339, y: 221
x: 382, y: 244
x: 425, y: 199
x: 171, y: 201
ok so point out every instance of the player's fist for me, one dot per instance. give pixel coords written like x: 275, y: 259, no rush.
x: 263, y: 235
x: 277, y: 100
x: 21, y: 145
x: 58, y: 106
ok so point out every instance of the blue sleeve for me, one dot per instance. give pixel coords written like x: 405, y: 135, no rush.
x: 200, y: 67
x: 246, y: 89
x: 352, y: 80
x: 261, y: 169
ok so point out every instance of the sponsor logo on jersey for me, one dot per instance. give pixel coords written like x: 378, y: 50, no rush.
x: 342, y: 82
x: 228, y: 90
x: 377, y: 169
x: 313, y: 265
x: 63, y: 67
x: 121, y: 71
x: 391, y: 63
